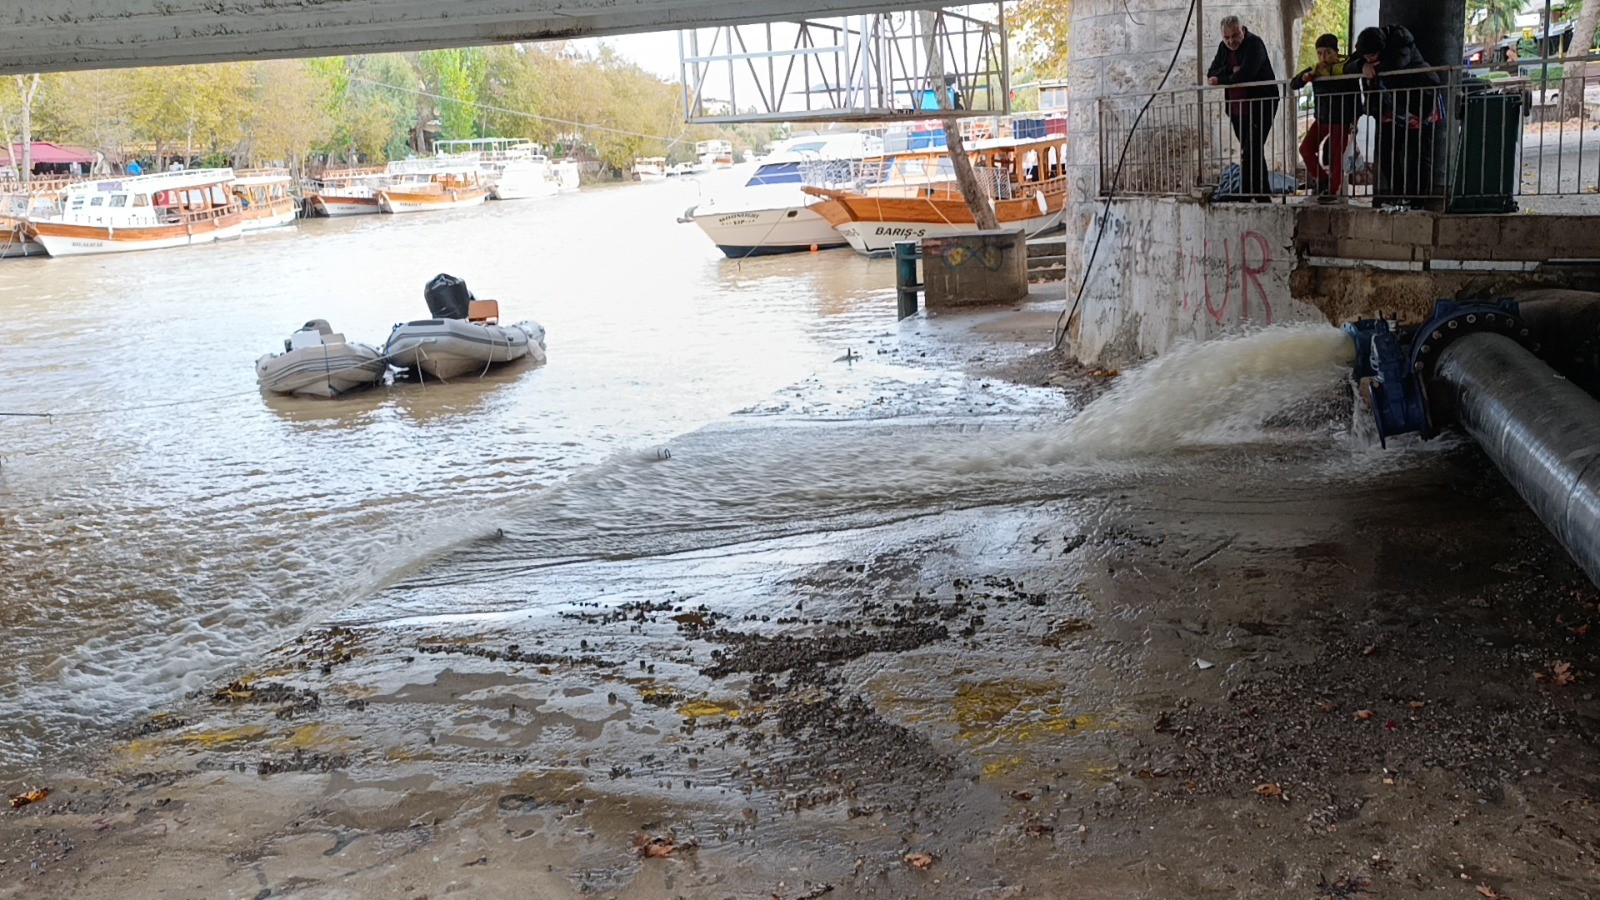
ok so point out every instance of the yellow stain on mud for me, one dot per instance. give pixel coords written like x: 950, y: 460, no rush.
x: 699, y: 709
x: 307, y: 737
x: 217, y: 737
x: 1009, y: 711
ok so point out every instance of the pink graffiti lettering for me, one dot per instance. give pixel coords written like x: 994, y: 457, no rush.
x: 1199, y: 266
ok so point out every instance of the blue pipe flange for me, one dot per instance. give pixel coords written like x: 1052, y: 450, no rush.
x: 1451, y: 320
x: 1383, y: 365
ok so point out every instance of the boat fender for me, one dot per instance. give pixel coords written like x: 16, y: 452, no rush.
x: 1044, y: 205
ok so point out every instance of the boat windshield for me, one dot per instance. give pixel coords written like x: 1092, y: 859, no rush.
x: 775, y: 173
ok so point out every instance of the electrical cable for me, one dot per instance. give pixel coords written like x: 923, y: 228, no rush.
x: 1064, y: 321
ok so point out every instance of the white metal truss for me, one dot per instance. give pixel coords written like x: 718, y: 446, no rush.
x: 880, y: 66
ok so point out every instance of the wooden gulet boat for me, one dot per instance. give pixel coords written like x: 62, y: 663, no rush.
x: 914, y: 195
x: 142, y: 212
x: 450, y: 188
x: 346, y: 192
x: 264, y: 195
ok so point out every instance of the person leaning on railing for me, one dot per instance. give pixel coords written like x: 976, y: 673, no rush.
x: 1405, y: 100
x: 1242, y: 60
x: 1336, y: 103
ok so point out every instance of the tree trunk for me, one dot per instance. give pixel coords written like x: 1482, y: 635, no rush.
x: 1574, y: 74
x: 27, y: 91
x: 974, y: 193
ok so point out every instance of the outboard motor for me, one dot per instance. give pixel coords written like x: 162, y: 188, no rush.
x: 448, y: 297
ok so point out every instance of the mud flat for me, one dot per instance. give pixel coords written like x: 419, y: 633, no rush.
x: 1293, y: 668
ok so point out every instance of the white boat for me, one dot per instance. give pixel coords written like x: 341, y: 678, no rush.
x: 317, y: 362
x: 567, y: 174
x: 524, y: 179
x: 464, y: 336
x: 20, y: 202
x: 264, y: 194
x: 770, y: 214
x: 650, y: 168
x: 713, y: 154
x: 142, y: 212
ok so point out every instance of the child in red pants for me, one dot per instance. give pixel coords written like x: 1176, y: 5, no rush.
x: 1336, y: 102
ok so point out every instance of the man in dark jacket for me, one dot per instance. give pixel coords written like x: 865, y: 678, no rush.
x: 1408, y: 107
x: 1242, y: 60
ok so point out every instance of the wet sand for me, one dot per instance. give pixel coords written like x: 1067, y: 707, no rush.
x: 1175, y: 682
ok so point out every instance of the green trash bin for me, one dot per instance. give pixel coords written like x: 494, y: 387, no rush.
x: 1485, y: 176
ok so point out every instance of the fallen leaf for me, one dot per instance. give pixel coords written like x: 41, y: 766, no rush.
x: 1038, y: 829
x: 1390, y: 725
x: 1485, y: 891
x: 919, y: 860
x: 1327, y: 705
x: 1417, y: 704
x: 1364, y: 714
x: 1269, y: 790
x: 1561, y: 673
x: 654, y: 848
x: 1022, y: 796
x: 20, y: 800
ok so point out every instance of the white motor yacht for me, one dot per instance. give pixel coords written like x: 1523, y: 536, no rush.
x: 770, y: 214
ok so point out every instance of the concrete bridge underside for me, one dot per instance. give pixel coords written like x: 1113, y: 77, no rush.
x: 55, y: 35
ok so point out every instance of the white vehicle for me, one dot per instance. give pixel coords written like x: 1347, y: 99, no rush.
x: 770, y: 214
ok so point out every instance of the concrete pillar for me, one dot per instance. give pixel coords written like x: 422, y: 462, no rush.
x: 1438, y: 25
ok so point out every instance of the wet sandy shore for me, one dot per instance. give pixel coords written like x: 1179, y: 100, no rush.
x: 1194, y: 683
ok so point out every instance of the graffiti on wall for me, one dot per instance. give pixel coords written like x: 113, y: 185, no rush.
x: 1228, y: 284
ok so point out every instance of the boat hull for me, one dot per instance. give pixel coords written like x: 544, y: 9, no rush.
x: 450, y: 348
x: 61, y: 239
x: 410, y: 202
x: 873, y: 225
x: 761, y: 232
x: 277, y: 214
x: 335, y: 207
x: 326, y: 371
x: 524, y: 189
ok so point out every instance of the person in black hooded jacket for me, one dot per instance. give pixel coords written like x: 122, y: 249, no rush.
x: 1242, y: 59
x: 1408, y: 107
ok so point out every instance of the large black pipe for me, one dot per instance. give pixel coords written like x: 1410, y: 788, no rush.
x: 1541, y: 430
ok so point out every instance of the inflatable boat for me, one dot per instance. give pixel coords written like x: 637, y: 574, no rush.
x: 464, y: 336
x: 317, y: 362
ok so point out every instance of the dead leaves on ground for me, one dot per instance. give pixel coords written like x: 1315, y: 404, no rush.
x: 919, y: 860
x: 660, y: 847
x: 1557, y: 673
x: 26, y: 797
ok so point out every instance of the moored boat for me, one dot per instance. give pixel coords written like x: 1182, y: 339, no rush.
x: 524, y: 179
x: 19, y: 202
x: 464, y: 336
x: 442, y: 187
x: 317, y: 362
x: 264, y: 196
x: 770, y: 214
x: 142, y: 212
x: 345, y: 192
x: 913, y: 195
x: 650, y: 168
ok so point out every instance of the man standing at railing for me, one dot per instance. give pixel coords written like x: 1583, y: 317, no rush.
x: 1405, y: 100
x: 1242, y: 60
x: 1335, y: 104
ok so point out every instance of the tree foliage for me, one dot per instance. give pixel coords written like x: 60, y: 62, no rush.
x: 1326, y: 17
x: 353, y: 110
x: 1045, y: 27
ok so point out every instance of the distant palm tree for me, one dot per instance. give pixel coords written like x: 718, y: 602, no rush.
x: 1492, y: 19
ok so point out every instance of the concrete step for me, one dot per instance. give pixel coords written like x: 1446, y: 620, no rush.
x: 1041, y: 260
x: 1047, y: 246
x: 1047, y: 273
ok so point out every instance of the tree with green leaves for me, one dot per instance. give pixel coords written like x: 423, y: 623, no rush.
x: 1325, y: 17
x: 454, y: 76
x: 1045, y: 27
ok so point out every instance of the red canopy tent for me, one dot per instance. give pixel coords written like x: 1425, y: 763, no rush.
x: 46, y: 153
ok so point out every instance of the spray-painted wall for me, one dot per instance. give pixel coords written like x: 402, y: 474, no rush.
x: 1168, y: 271
x: 1122, y: 47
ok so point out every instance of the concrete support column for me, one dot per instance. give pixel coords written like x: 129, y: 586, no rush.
x: 1438, y: 25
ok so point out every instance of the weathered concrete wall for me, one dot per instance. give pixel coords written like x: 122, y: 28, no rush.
x: 1170, y: 270
x: 1122, y: 48
x: 976, y: 269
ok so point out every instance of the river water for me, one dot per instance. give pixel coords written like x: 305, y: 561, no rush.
x: 168, y: 523
x: 168, y: 520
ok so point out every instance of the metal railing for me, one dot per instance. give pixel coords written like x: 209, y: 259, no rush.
x: 1430, y: 138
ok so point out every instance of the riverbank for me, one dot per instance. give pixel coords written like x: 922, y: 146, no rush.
x: 1293, y: 666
